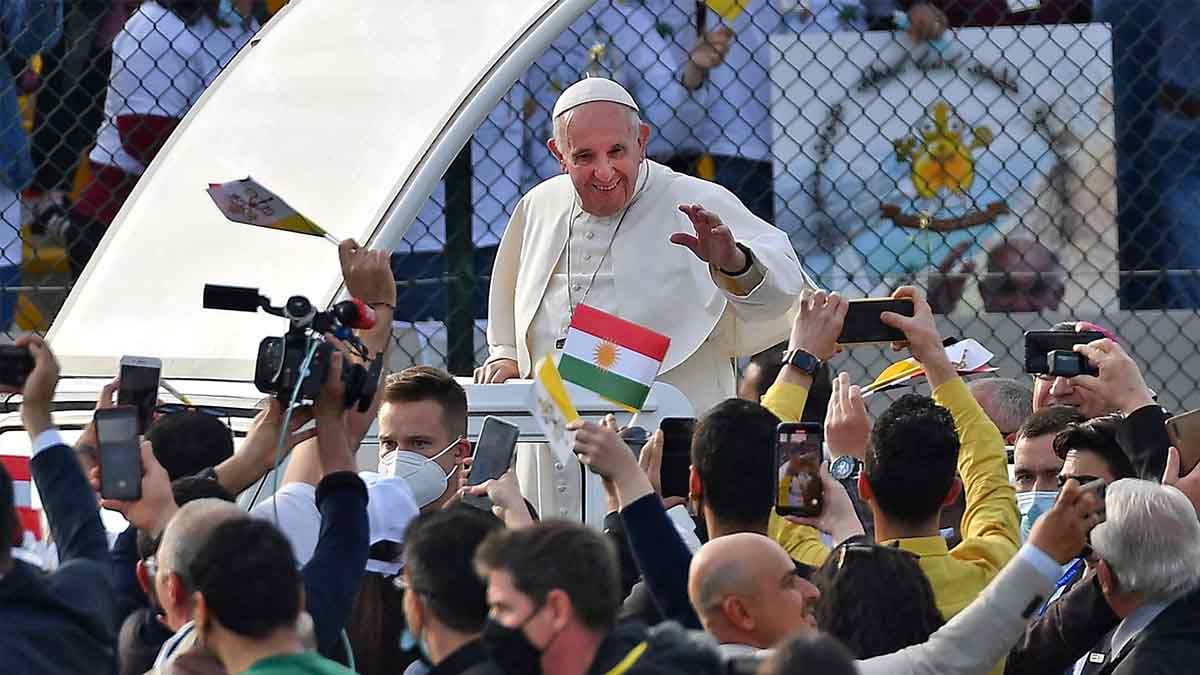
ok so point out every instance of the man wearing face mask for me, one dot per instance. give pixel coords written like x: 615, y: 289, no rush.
x: 1036, y: 466
x: 445, y: 603
x: 553, y: 590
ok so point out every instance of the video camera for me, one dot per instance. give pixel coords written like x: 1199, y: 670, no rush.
x: 277, y: 369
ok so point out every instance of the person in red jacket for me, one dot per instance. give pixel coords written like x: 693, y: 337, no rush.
x: 163, y: 59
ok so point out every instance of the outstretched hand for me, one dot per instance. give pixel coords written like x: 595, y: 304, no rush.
x: 713, y: 241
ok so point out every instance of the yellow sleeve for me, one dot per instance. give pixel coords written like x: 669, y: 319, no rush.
x: 991, y: 523
x: 801, y: 542
x: 786, y: 401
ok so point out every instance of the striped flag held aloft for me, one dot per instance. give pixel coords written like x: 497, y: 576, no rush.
x: 615, y: 358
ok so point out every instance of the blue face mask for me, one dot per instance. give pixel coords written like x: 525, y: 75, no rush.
x: 1032, y: 505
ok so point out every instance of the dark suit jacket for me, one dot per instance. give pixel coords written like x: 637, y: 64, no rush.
x: 1081, y: 618
x: 1170, y: 644
x: 61, y: 622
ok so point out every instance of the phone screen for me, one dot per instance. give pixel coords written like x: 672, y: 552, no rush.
x: 677, y: 455
x: 139, y: 388
x: 863, y: 325
x: 1039, y: 344
x: 797, y: 470
x: 493, y: 455
x: 120, y: 453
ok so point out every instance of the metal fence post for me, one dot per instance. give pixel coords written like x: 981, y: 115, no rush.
x: 460, y: 267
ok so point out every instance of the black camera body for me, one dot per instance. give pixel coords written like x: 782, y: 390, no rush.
x: 278, y: 369
x: 1067, y: 363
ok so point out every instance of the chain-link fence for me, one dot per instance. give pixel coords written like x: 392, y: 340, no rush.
x: 1024, y: 161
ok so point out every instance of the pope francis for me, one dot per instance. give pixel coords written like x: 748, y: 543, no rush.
x: 631, y: 237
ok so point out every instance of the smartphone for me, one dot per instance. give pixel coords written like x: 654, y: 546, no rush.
x: 139, y: 387
x: 863, y: 326
x: 15, y: 365
x: 677, y: 455
x: 797, y: 469
x: 1039, y: 344
x: 120, y: 453
x: 1184, y: 431
x: 493, y: 455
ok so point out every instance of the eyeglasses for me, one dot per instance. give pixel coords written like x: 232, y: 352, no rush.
x: 1004, y: 283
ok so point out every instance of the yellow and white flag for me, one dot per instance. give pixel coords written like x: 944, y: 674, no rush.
x: 246, y: 201
x: 552, y: 408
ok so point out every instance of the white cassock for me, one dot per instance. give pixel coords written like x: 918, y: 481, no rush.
x: 554, y: 256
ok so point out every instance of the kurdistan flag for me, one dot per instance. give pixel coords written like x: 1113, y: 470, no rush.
x: 612, y: 357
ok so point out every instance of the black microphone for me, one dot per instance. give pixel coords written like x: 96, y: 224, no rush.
x: 232, y: 298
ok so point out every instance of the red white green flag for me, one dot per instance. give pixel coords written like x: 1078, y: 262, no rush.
x: 612, y: 357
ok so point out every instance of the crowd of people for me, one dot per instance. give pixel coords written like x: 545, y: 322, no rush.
x: 927, y: 554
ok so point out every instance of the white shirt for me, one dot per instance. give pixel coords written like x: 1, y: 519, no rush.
x: 160, y: 67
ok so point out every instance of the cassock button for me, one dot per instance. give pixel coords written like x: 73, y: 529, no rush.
x: 577, y: 287
x: 589, y: 235
x: 587, y: 257
x: 562, y: 488
x: 558, y: 466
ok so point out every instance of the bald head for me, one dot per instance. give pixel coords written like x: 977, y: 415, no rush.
x: 745, y: 589
x: 188, y: 530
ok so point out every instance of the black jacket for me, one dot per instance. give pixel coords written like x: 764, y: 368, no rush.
x: 470, y: 659
x: 670, y: 650
x: 61, y: 622
x: 1081, y: 618
x: 1170, y: 644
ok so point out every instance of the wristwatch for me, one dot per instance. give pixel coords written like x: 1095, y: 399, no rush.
x: 802, y: 361
x: 844, y: 467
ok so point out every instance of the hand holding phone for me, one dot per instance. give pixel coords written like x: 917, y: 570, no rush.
x: 16, y: 363
x: 493, y: 456
x: 797, y: 470
x: 139, y: 387
x: 676, y: 468
x: 1039, y: 344
x: 863, y: 325
x: 120, y: 453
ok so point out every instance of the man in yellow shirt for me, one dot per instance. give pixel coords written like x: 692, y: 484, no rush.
x: 909, y: 475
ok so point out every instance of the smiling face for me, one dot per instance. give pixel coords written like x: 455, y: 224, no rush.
x: 601, y: 146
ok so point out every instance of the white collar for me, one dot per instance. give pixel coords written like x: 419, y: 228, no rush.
x: 1134, y: 624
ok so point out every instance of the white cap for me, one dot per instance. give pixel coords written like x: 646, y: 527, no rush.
x: 591, y: 90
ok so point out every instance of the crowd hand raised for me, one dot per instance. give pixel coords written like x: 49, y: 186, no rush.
x: 1061, y: 532
x: 924, y: 340
x: 38, y: 392
x: 650, y: 459
x: 838, y: 518
x: 925, y: 22
x: 88, y: 441
x: 507, y: 502
x: 600, y: 448
x: 712, y: 48
x: 153, y: 511
x: 847, y: 427
x: 1120, y: 382
x: 1188, y: 484
x: 497, y: 372
x: 331, y: 402
x: 368, y: 274
x: 818, y: 323
x: 713, y: 241
x: 262, y: 439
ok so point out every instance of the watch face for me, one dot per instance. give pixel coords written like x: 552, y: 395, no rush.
x: 842, y: 467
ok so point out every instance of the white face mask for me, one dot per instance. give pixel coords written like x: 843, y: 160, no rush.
x: 424, y: 476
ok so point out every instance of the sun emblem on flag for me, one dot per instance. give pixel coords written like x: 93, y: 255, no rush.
x: 606, y: 355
